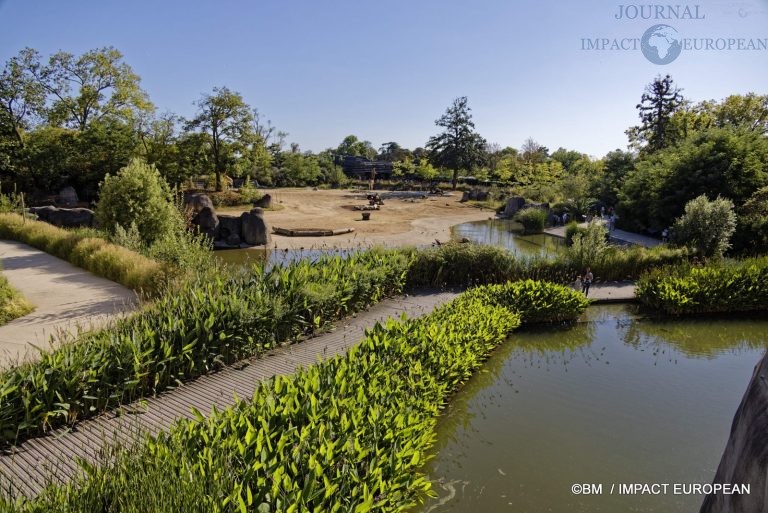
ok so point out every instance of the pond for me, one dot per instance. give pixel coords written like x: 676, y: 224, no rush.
x: 508, y: 234
x: 616, y: 399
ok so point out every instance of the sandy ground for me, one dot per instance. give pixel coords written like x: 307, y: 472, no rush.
x: 400, y: 221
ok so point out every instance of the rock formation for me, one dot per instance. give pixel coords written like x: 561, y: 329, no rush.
x: 65, y: 217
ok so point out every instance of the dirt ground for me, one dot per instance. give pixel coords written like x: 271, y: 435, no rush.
x: 401, y: 221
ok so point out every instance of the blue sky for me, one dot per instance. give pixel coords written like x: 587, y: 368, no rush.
x: 386, y: 70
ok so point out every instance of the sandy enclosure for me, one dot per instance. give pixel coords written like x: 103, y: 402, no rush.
x: 401, y: 221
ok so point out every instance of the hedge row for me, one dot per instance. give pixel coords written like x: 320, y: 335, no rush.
x: 190, y: 331
x: 717, y: 288
x: 346, y: 435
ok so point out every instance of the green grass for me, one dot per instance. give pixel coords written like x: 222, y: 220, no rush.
x: 86, y: 249
x: 12, y: 303
x: 349, y: 434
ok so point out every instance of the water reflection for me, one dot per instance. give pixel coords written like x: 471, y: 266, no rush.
x: 508, y: 234
x: 616, y: 399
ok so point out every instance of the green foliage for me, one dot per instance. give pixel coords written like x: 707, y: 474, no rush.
x: 92, y: 253
x: 12, y: 303
x: 138, y: 196
x: 347, y: 434
x: 210, y: 321
x: 723, y: 287
x: 706, y: 226
x: 572, y: 229
x: 658, y: 103
x: 534, y: 220
x: 751, y: 235
x: 589, y: 246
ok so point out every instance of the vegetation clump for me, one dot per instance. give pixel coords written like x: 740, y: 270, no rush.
x: 706, y: 226
x: 12, y: 304
x: 534, y: 220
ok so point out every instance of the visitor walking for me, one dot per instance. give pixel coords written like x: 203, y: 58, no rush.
x: 612, y: 222
x: 586, y: 281
x: 665, y: 235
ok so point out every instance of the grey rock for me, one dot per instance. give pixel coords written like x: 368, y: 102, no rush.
x: 68, y: 197
x: 254, y: 229
x: 233, y: 240
x: 745, y: 459
x: 65, y: 217
x: 514, y: 204
x: 229, y: 225
x: 263, y: 202
x: 197, y: 202
x: 207, y: 222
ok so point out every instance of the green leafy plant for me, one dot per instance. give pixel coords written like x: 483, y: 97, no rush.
x: 534, y: 220
x: 706, y: 226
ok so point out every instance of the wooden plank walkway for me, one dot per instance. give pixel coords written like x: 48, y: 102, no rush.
x: 27, y: 468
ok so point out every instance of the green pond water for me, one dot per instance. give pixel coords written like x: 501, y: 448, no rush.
x: 616, y: 399
x: 508, y: 234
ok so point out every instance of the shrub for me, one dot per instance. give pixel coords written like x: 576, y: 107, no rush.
x: 706, y: 226
x: 85, y: 249
x: 12, y: 303
x: 533, y: 219
x: 716, y: 288
x: 348, y: 434
x: 248, y: 192
x: 572, y: 229
x: 589, y: 246
x: 138, y: 196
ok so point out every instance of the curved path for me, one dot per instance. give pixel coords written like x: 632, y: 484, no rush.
x: 27, y: 468
x: 66, y: 299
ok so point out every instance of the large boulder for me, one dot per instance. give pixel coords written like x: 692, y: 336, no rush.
x: 514, y: 204
x: 68, y: 197
x: 475, y: 195
x: 197, y: 202
x: 65, y: 217
x: 229, y: 225
x: 207, y: 222
x: 745, y: 459
x: 263, y: 202
x: 254, y: 229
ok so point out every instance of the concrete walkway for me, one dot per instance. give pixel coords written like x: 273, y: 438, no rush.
x: 26, y: 468
x: 66, y: 299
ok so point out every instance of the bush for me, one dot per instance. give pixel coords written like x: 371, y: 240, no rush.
x: 12, y: 303
x: 208, y: 322
x: 533, y: 219
x: 347, y: 434
x: 589, y: 246
x: 84, y: 248
x: 706, y: 226
x: 138, y: 196
x: 717, y: 288
x: 571, y: 230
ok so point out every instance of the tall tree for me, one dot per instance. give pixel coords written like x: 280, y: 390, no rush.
x: 21, y: 96
x: 351, y: 145
x: 458, y: 146
x: 227, y: 119
x: 658, y: 103
x: 91, y: 87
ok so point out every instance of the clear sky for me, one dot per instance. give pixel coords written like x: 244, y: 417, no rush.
x: 385, y: 70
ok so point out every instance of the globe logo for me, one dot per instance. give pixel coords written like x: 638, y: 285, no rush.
x: 661, y: 44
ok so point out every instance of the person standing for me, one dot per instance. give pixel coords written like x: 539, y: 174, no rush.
x: 665, y: 235
x: 586, y: 281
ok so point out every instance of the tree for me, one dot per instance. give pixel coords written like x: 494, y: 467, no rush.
x: 353, y: 146
x: 21, y: 96
x: 616, y: 165
x: 706, y: 226
x: 227, y: 119
x: 138, y: 196
x: 393, y: 152
x: 92, y: 87
x: 751, y: 234
x: 658, y: 103
x: 458, y: 146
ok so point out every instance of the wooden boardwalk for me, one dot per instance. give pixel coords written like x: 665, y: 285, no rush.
x: 27, y: 468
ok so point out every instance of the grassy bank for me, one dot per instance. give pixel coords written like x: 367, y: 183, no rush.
x: 719, y: 287
x: 348, y: 434
x: 85, y: 249
x: 12, y: 303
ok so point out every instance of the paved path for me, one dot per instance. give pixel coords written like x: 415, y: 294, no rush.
x: 66, y: 298
x: 28, y: 467
x: 619, y: 235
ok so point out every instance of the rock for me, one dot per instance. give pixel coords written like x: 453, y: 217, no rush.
x: 745, y: 459
x: 229, y: 225
x: 263, y: 202
x: 254, y: 229
x: 65, y: 217
x: 514, y: 204
x: 68, y: 197
x: 197, y: 202
x: 207, y: 222
x: 233, y: 240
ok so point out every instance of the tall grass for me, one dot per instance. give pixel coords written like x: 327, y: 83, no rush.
x: 12, y: 304
x: 86, y: 249
x: 348, y: 434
